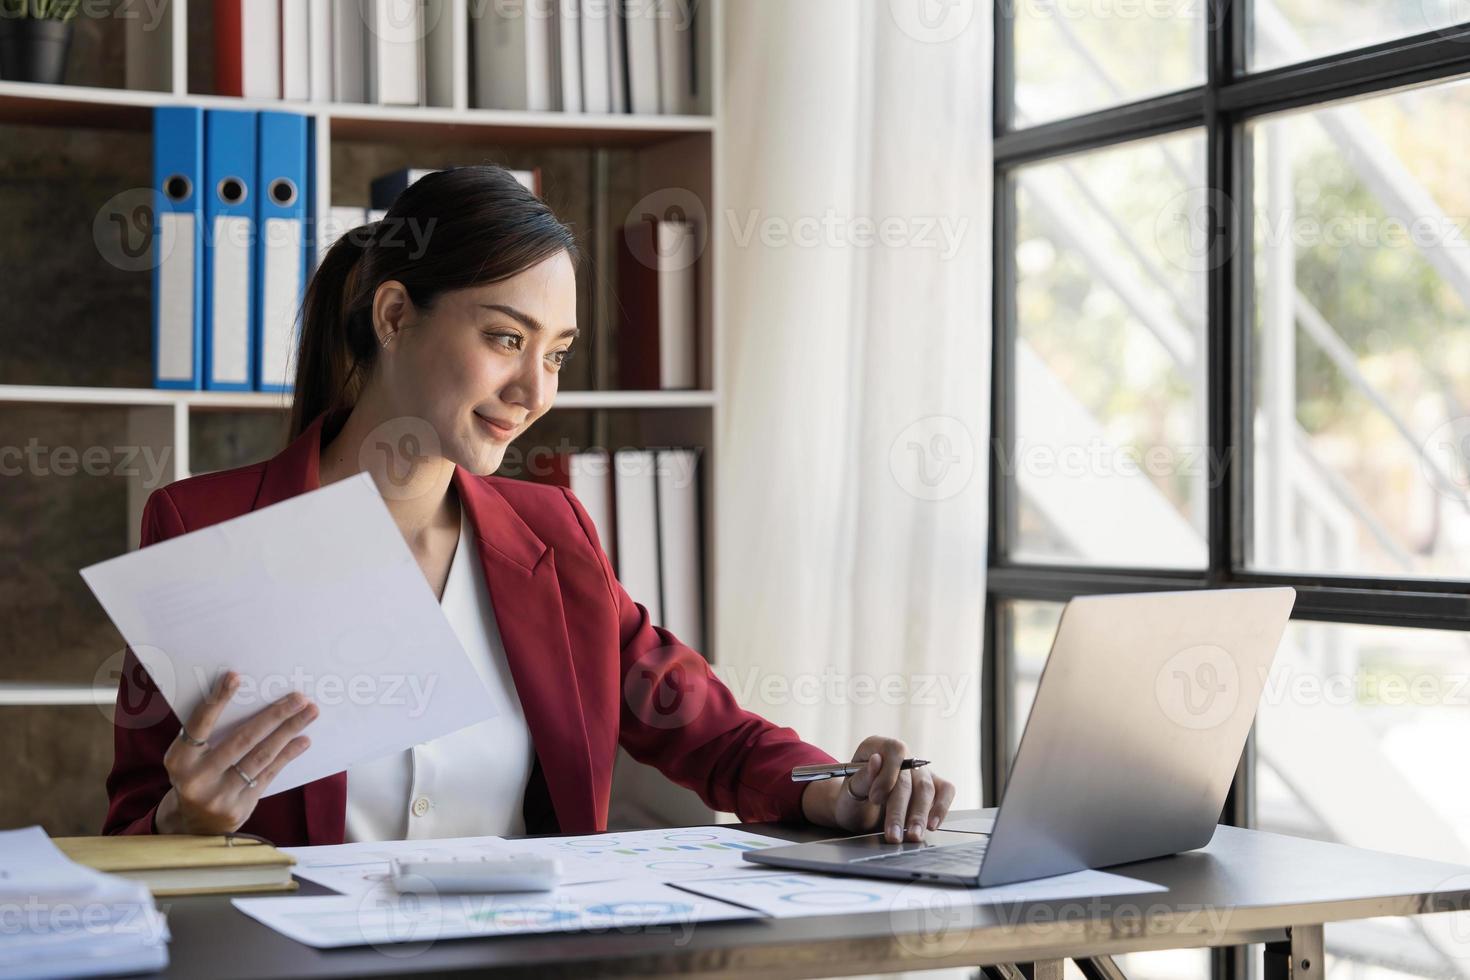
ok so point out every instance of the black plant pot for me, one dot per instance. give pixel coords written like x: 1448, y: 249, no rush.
x: 34, y: 49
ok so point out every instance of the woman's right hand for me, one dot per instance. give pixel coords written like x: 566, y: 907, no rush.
x: 208, y: 795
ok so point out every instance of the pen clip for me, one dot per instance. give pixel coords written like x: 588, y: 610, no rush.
x: 808, y: 774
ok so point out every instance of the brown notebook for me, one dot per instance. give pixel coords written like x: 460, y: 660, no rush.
x: 185, y: 864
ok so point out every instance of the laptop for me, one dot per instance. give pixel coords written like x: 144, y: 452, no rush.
x: 1140, y: 717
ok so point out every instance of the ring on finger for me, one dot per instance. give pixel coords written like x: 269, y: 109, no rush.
x: 249, y: 780
x: 188, y: 739
x: 848, y: 783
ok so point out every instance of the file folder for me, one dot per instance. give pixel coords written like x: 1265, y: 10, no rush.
x: 282, y: 252
x: 680, y: 550
x: 635, y: 519
x: 514, y: 56
x: 596, y: 51
x: 569, y: 53
x: 229, y: 240
x: 247, y: 48
x: 178, y: 262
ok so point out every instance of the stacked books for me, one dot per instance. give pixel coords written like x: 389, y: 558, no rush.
x: 388, y: 52
x: 71, y: 920
x: 602, y: 56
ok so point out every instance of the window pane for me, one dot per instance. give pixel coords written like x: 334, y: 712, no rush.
x: 1076, y: 56
x: 1110, y: 461
x: 1362, y: 338
x: 1360, y: 739
x: 1032, y: 625
x: 1284, y: 31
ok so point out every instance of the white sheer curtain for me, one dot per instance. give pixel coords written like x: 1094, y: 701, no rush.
x: 854, y: 240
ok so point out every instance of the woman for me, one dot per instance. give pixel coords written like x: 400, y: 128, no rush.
x: 430, y: 340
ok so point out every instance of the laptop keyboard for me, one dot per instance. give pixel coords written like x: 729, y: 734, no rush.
x: 958, y: 859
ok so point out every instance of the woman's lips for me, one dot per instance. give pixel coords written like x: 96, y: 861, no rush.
x: 497, y: 430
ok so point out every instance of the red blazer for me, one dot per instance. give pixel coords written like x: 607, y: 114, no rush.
x: 592, y: 671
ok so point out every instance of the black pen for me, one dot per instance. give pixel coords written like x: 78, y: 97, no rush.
x: 807, y: 774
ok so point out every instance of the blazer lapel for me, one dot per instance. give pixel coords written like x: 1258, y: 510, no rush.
x: 520, y: 573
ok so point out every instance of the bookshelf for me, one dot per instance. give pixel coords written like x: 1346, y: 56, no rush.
x: 595, y: 168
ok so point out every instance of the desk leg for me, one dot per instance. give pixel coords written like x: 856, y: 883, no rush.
x: 1299, y: 957
x: 1100, y: 968
x: 1044, y: 970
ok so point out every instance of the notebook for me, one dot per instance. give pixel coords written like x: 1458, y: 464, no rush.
x: 185, y: 864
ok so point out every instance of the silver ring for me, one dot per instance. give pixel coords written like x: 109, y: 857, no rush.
x: 249, y: 782
x: 188, y: 739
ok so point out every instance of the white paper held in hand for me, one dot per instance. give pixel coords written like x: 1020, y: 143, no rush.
x: 318, y: 594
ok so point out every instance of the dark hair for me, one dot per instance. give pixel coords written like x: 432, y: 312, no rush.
x: 452, y: 229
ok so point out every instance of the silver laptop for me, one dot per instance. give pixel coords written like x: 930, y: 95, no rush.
x: 1139, y: 721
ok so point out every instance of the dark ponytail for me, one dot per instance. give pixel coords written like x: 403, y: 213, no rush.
x: 469, y: 226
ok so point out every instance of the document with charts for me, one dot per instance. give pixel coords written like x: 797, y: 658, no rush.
x: 377, y: 917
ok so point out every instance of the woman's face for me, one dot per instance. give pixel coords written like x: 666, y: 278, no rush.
x: 481, y: 354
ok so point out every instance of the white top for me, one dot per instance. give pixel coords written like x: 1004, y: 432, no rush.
x: 469, y: 783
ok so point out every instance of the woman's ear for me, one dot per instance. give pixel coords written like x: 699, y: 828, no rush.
x: 392, y: 311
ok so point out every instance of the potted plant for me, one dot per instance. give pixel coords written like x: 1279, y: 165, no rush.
x: 34, y: 36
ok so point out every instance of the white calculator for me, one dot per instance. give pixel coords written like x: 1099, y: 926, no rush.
x: 487, y: 873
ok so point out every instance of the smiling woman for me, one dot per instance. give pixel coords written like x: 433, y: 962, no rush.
x: 430, y: 341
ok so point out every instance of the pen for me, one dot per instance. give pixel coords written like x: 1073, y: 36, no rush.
x: 807, y: 774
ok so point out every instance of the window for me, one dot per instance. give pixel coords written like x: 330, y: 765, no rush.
x: 1238, y: 242
x: 1284, y: 31
x: 1362, y: 315
x: 1073, y: 56
x: 1109, y: 358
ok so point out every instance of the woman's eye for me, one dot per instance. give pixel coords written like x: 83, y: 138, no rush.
x: 513, y: 341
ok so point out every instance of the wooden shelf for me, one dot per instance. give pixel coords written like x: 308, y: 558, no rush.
x: 15, y: 693
x: 216, y: 400
x: 109, y: 108
x: 272, y: 401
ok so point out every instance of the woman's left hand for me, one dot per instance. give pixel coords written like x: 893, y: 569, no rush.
x: 905, y: 803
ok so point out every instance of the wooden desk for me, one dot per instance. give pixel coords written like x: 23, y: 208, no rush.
x: 1246, y: 887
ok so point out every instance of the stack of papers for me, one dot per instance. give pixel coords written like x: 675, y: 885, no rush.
x: 65, y: 920
x: 669, y: 879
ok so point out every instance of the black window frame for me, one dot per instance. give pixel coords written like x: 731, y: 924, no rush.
x: 1229, y: 98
